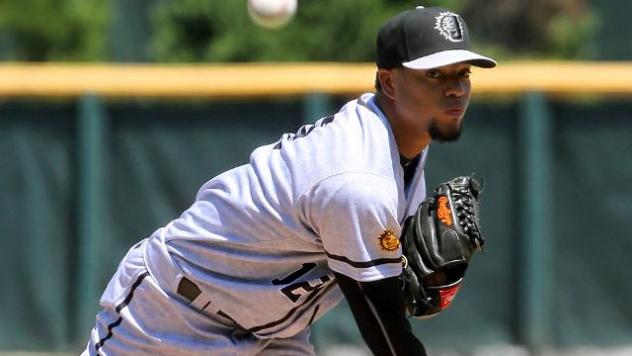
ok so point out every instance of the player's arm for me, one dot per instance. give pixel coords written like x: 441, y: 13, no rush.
x: 378, y: 309
x: 356, y: 216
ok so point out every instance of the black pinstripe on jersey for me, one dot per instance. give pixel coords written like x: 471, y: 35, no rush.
x: 118, y: 309
x: 364, y: 264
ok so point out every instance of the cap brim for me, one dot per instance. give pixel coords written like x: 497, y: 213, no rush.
x: 448, y: 57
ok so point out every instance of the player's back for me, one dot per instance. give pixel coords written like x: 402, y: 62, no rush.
x: 249, y: 236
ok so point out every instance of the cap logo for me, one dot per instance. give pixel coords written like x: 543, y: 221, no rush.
x: 449, y: 26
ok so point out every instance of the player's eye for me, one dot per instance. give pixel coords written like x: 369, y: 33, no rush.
x: 465, y: 73
x: 433, y: 73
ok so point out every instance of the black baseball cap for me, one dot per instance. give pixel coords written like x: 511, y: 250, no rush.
x: 425, y: 38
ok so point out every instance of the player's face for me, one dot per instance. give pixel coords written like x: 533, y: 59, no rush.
x: 432, y: 102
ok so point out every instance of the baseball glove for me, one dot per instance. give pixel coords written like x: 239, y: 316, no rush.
x: 438, y: 242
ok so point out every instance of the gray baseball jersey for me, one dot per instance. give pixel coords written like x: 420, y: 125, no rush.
x: 261, y: 240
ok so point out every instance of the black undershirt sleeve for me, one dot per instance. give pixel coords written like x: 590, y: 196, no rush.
x: 378, y: 309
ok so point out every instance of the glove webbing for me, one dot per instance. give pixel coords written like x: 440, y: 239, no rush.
x: 466, y: 205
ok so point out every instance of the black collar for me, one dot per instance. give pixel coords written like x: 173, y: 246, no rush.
x: 406, y: 162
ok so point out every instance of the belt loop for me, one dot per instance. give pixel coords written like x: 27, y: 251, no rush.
x: 188, y: 289
x: 191, y: 292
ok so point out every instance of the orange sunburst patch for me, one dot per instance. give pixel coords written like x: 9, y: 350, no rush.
x: 388, y: 241
x: 443, y: 210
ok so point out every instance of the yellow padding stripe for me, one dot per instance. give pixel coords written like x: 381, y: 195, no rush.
x: 256, y: 80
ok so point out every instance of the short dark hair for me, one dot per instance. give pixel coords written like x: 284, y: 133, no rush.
x: 378, y: 85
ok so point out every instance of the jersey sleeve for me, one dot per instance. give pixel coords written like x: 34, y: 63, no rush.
x: 355, y: 216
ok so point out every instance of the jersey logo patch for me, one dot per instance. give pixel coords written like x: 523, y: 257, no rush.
x: 388, y: 241
x: 449, y: 26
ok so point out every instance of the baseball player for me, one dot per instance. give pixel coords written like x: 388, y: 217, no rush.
x: 267, y: 248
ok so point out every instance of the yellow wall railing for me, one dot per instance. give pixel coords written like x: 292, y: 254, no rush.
x: 256, y: 80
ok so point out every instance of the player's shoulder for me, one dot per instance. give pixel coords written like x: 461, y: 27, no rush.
x: 365, y: 112
x: 362, y: 192
x: 363, y: 126
x: 360, y: 187
x: 355, y: 139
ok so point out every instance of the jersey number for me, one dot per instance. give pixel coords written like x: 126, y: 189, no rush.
x: 295, y: 290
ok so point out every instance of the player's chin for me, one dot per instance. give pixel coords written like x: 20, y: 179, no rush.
x: 446, y: 133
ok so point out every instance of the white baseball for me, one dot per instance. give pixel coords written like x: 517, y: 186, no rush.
x: 271, y: 14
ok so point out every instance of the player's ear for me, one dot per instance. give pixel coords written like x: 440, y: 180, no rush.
x: 386, y: 78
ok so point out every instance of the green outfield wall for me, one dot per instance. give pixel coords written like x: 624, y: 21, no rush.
x: 83, y: 177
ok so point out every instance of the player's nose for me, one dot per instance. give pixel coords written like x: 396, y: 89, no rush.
x: 455, y: 87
